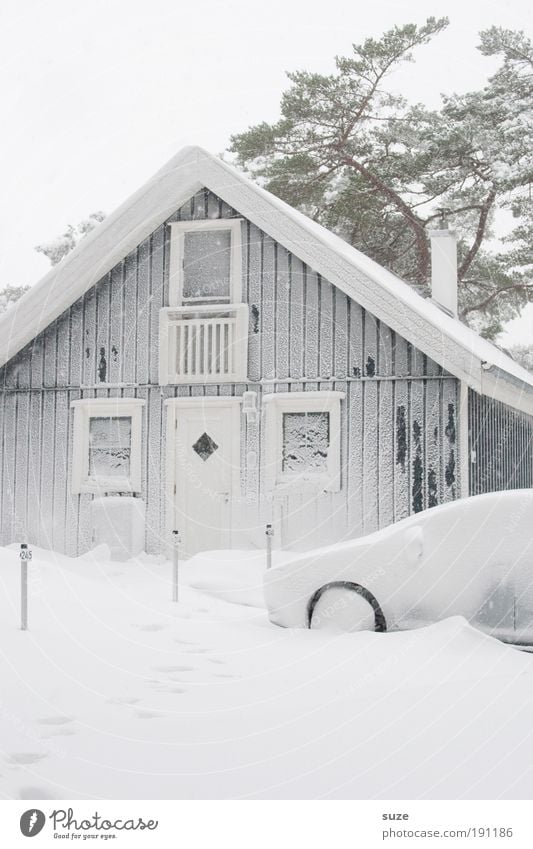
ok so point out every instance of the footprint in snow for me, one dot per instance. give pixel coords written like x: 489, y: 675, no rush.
x: 216, y: 660
x: 26, y: 757
x: 35, y: 793
x: 196, y: 651
x: 184, y: 642
x: 147, y: 714
x: 175, y: 668
x: 55, y: 720
x: 155, y: 626
x: 225, y: 675
x: 61, y: 732
x: 122, y: 700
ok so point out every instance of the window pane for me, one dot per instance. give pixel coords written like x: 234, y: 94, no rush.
x: 110, y: 446
x: 305, y: 442
x: 206, y: 265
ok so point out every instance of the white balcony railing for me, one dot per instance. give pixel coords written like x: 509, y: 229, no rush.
x: 203, y: 344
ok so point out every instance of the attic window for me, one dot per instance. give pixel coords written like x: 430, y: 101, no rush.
x: 205, y: 262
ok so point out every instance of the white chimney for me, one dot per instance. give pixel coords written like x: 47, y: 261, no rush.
x: 444, y: 268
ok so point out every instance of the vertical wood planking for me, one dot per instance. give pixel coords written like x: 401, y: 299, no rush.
x: 433, y: 428
x: 64, y: 347
x: 21, y: 464
x: 296, y: 318
x: 50, y: 356
x: 60, y: 485
x: 268, y: 330
x: 47, y: 470
x: 76, y: 344
x: 156, y: 299
x: 9, y: 466
x: 34, y: 466
x: 386, y: 427
x: 72, y: 501
x: 326, y: 328
x: 312, y: 297
x: 417, y: 430
x: 255, y: 263
x: 153, y: 424
x: 371, y: 434
x: 340, y: 328
x: 24, y: 369
x: 449, y: 457
x: 143, y: 312
x: 129, y: 342
x: 36, y: 352
x: 354, y: 423
x: 282, y: 313
x: 103, y: 303
x: 89, y: 337
x: 117, y: 329
x: 401, y: 433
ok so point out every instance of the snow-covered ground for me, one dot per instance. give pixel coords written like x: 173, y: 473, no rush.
x: 116, y: 692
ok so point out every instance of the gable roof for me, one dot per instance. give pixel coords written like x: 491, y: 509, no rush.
x: 457, y: 348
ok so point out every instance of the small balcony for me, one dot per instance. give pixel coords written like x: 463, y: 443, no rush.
x: 203, y: 344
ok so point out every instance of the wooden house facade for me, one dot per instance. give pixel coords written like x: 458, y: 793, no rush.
x: 209, y: 360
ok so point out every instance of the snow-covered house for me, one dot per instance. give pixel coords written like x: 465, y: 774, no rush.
x: 209, y: 360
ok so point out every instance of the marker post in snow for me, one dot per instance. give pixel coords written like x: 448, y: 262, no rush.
x: 269, y: 532
x: 25, y: 555
x: 176, y: 541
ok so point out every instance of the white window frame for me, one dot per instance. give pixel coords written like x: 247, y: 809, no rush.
x: 276, y: 405
x: 87, y: 409
x: 178, y: 229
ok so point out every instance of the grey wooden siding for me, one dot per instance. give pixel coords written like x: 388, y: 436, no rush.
x: 399, y: 428
x: 500, y: 446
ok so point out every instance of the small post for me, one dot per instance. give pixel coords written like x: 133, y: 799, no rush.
x: 25, y: 555
x: 175, y: 568
x: 269, y: 534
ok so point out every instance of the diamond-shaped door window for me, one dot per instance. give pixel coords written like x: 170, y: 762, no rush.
x: 205, y: 446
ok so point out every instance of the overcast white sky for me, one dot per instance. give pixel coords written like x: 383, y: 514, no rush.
x: 96, y: 96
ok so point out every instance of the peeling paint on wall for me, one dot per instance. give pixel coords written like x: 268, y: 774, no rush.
x: 254, y: 311
x: 450, y: 427
x: 370, y: 367
x: 401, y: 437
x: 102, y: 366
x: 449, y: 473
x: 417, y: 488
x: 432, y: 488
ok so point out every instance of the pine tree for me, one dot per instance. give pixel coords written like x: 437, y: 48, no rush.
x: 357, y: 157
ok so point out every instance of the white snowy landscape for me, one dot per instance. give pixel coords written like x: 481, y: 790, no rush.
x: 117, y: 692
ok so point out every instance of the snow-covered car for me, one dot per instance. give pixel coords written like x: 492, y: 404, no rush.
x: 472, y: 557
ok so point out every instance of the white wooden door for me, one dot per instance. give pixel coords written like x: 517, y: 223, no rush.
x: 206, y: 471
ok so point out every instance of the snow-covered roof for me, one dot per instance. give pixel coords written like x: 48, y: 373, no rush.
x: 446, y: 340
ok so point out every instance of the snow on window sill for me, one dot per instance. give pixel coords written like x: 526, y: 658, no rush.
x: 101, y: 486
x: 304, y: 483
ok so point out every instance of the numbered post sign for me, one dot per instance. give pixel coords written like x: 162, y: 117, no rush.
x: 25, y: 556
